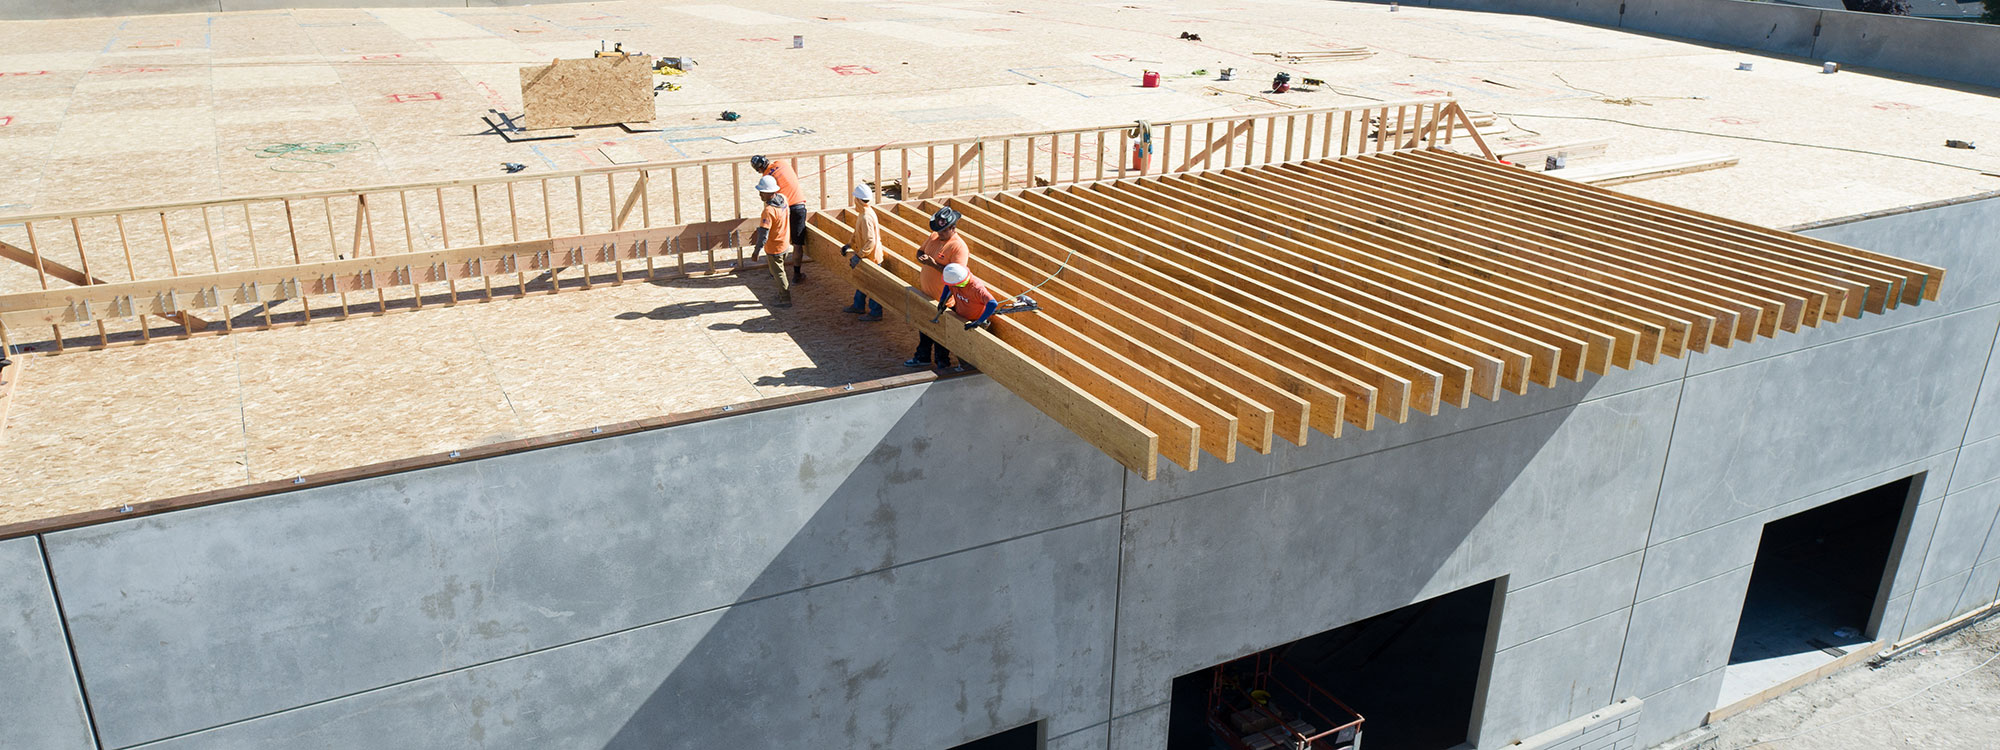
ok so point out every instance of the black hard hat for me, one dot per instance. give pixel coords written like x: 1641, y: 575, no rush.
x: 944, y: 219
x: 760, y: 163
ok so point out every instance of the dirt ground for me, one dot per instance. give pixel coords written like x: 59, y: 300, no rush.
x: 1945, y: 695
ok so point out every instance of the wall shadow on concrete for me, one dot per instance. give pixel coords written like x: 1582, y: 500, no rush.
x: 1384, y: 529
x: 870, y: 659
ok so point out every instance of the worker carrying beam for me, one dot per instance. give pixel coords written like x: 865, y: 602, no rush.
x: 772, y: 233
x: 788, y: 184
x: 864, y: 244
x: 966, y: 296
x: 943, y: 248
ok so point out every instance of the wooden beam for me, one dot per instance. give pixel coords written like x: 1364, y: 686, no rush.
x: 1586, y: 342
x: 1140, y: 393
x: 79, y: 278
x: 251, y: 287
x: 1190, y: 314
x: 951, y: 172
x: 1123, y: 439
x: 1228, y: 136
x: 1364, y: 230
x: 1224, y: 415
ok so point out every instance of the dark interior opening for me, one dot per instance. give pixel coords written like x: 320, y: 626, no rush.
x: 1024, y: 737
x: 1819, y: 574
x: 1412, y: 674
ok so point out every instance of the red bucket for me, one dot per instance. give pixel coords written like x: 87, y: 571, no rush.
x: 1150, y: 79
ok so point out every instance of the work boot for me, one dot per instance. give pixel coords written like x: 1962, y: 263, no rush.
x: 913, y: 362
x: 853, y: 309
x: 798, y: 274
x: 870, y: 318
x: 784, y: 300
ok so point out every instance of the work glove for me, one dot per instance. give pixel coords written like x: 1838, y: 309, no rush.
x: 970, y: 326
x: 853, y: 261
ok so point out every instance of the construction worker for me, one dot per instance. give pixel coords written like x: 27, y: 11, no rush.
x: 944, y: 248
x: 788, y: 184
x: 866, y: 244
x: 967, y: 296
x: 773, y: 232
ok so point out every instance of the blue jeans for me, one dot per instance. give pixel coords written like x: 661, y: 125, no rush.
x: 861, y: 300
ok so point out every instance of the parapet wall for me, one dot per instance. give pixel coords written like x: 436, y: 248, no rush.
x: 1951, y: 50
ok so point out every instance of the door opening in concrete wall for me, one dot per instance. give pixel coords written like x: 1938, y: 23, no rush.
x: 1408, y: 679
x: 1818, y: 587
x: 1024, y: 737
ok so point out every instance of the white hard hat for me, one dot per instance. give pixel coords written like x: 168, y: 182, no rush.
x: 767, y: 184
x: 956, y: 273
x: 863, y: 192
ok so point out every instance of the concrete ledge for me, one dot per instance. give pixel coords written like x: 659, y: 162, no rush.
x: 1614, y: 726
x: 1854, y: 657
x: 89, y: 518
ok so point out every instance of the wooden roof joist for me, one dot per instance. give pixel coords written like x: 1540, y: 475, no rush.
x: 1185, y: 314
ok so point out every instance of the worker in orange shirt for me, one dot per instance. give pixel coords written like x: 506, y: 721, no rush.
x: 967, y: 296
x: 773, y: 232
x: 944, y: 248
x: 866, y: 244
x: 788, y: 184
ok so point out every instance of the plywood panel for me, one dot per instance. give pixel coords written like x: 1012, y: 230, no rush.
x: 591, y: 91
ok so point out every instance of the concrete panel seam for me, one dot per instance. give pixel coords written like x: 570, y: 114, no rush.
x: 1963, y: 433
x: 1723, y: 523
x: 1690, y: 680
x: 1671, y: 591
x: 1117, y: 601
x: 69, y: 642
x: 1879, y: 331
x: 1566, y: 628
x: 1457, y: 434
x: 599, y: 636
x: 1653, y: 522
x: 1970, y: 488
x: 1962, y: 590
x: 1598, y: 564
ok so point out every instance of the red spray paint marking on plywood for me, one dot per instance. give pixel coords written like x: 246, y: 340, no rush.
x: 123, y: 71
x: 24, y: 73
x: 6, y: 120
x: 758, y: 39
x: 161, y: 44
x: 1734, y: 120
x: 391, y: 56
x: 854, y: 70
x: 428, y: 96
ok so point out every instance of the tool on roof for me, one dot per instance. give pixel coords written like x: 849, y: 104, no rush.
x: 513, y: 166
x: 730, y: 116
x: 1282, y: 83
x: 617, y: 50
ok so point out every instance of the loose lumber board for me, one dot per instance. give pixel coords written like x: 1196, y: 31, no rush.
x: 589, y: 91
x: 1621, y: 172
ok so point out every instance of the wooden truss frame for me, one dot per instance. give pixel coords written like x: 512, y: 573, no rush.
x: 1190, y: 313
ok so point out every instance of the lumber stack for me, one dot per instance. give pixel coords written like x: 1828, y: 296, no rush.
x: 1195, y: 313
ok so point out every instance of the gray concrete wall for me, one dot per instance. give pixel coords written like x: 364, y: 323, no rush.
x: 40, y: 704
x: 1953, y: 51
x: 843, y: 570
